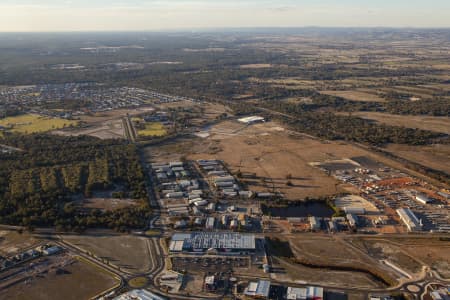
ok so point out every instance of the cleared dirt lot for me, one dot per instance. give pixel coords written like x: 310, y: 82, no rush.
x: 256, y: 66
x: 113, y: 114
x: 434, y: 156
x: 266, y: 155
x: 128, y: 252
x: 104, y: 125
x: 79, y: 280
x: 326, y: 249
x: 324, y: 276
x: 106, y: 204
x: 433, y: 252
x: 384, y: 250
x: 437, y: 124
x: 411, y: 253
x: 110, y: 129
x: 322, y: 251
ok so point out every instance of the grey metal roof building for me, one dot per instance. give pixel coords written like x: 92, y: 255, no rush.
x: 258, y: 289
x: 352, y: 220
x: 139, y: 295
x: 221, y: 241
x: 410, y: 219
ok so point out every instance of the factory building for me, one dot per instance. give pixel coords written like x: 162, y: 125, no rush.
x: 314, y: 293
x: 52, y: 250
x: 423, y: 199
x: 210, y: 283
x: 258, y: 290
x: 332, y: 226
x: 314, y: 223
x: 210, y: 222
x: 410, y: 219
x: 307, y: 293
x: 296, y: 293
x: 352, y: 220
x: 223, y: 242
x: 444, y: 194
x: 139, y: 295
x: 207, y: 162
x: 251, y: 120
x: 355, y: 210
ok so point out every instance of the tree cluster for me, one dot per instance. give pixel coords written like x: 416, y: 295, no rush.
x: 38, y: 184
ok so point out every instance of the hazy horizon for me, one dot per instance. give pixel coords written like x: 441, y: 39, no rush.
x: 182, y: 15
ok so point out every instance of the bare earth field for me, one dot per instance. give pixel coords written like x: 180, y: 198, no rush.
x: 265, y: 154
x: 437, y: 124
x: 110, y: 129
x: 106, y: 204
x: 184, y: 104
x: 79, y: 280
x: 434, y: 156
x: 324, y: 251
x: 113, y: 114
x: 384, y: 250
x: 117, y: 250
x: 355, y: 95
x: 437, y: 257
x: 256, y: 66
x: 104, y: 125
x: 212, y: 110
x: 410, y: 253
x: 297, y: 272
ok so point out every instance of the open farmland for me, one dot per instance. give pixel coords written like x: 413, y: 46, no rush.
x: 116, y: 249
x: 433, y: 156
x: 78, y: 280
x: 256, y: 66
x: 32, y: 123
x: 437, y: 124
x: 355, y: 95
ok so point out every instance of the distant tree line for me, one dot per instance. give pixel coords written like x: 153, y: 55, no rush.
x: 330, y: 126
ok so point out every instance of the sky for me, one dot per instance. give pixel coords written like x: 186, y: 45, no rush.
x: 158, y: 15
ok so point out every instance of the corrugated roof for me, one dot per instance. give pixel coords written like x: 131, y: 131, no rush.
x: 263, y: 288
x: 296, y: 293
x: 216, y: 240
x: 139, y: 295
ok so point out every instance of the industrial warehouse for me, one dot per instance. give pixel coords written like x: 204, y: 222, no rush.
x: 227, y: 242
x: 410, y: 219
